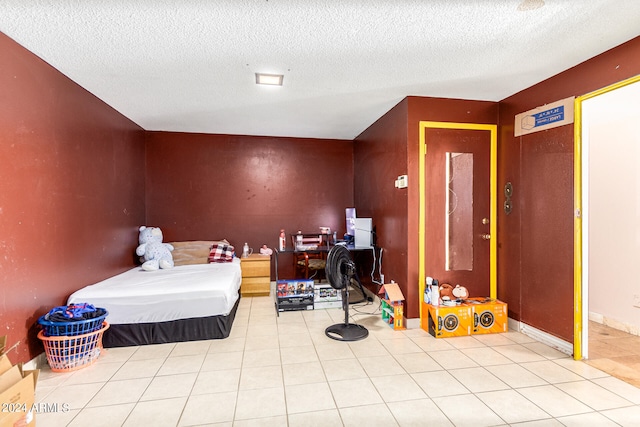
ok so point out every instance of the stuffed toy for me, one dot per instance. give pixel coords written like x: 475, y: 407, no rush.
x: 460, y: 292
x: 154, y: 253
x: 445, y: 292
x: 450, y: 293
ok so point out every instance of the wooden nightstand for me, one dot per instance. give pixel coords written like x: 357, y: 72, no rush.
x: 256, y: 275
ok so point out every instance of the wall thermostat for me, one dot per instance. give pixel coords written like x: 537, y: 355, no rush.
x: 401, y: 182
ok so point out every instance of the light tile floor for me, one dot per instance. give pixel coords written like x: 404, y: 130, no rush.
x: 284, y: 371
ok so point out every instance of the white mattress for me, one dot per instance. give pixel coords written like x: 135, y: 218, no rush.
x: 182, y: 292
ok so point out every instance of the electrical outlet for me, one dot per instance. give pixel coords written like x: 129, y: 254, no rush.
x: 636, y: 301
x: 382, y: 278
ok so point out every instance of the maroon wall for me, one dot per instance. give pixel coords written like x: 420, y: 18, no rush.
x: 71, y: 192
x: 439, y: 110
x: 388, y: 148
x: 72, y: 189
x: 246, y: 188
x: 535, y: 246
x: 380, y: 156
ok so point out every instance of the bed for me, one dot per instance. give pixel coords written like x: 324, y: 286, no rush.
x: 195, y: 300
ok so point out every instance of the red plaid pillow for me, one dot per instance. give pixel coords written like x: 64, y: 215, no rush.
x: 221, y: 252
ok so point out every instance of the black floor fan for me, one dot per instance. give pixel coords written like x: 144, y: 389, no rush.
x: 340, y: 269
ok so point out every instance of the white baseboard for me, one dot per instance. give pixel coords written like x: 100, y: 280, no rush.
x: 37, y: 362
x: 615, y: 324
x: 595, y: 317
x: 513, y: 325
x: 545, y: 338
x: 412, y: 323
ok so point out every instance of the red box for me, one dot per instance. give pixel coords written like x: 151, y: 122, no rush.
x: 489, y: 316
x: 444, y: 321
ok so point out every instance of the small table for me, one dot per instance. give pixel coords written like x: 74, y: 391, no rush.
x: 256, y: 275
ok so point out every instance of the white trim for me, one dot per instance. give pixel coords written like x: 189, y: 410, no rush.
x: 412, y: 323
x: 548, y: 339
x: 596, y: 317
x: 615, y: 324
x: 584, y: 138
x: 38, y: 362
x: 513, y: 325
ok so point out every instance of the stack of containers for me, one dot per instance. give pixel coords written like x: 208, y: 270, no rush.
x: 74, y: 344
x: 472, y: 316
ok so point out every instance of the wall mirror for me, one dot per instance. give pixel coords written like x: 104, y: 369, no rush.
x: 459, y: 211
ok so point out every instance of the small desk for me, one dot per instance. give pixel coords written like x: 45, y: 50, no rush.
x: 327, y: 248
x: 323, y: 248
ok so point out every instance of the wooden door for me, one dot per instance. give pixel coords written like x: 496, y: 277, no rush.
x: 458, y: 208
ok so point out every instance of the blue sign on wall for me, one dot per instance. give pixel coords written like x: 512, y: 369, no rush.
x: 549, y: 116
x: 545, y: 117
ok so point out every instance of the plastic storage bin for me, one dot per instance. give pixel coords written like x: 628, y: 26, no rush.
x: 77, y: 327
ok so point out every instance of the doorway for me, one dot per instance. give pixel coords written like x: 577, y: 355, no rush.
x: 457, y: 228
x: 606, y: 188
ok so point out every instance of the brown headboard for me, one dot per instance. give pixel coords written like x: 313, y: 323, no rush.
x: 192, y: 252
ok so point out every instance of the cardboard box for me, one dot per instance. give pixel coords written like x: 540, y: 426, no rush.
x: 325, y: 296
x: 17, y: 392
x: 294, y: 295
x: 444, y: 322
x: 489, y: 316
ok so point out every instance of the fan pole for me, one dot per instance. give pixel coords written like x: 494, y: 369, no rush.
x: 345, y: 304
x: 339, y: 271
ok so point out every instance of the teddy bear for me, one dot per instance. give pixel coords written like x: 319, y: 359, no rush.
x: 154, y: 253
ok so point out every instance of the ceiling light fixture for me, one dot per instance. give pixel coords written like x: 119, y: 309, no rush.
x: 269, y: 79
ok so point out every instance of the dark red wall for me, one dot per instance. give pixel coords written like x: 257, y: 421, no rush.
x: 380, y: 156
x: 440, y: 110
x: 73, y: 189
x: 388, y: 148
x: 246, y: 188
x: 535, y: 246
x: 71, y: 192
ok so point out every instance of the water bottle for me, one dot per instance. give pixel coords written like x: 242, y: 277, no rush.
x: 435, y: 293
x: 427, y: 290
x: 245, y: 250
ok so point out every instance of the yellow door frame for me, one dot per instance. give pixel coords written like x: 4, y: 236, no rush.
x: 578, y: 209
x: 493, y: 214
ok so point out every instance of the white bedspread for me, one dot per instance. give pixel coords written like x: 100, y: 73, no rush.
x: 182, y: 292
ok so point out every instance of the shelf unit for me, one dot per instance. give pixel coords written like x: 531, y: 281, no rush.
x: 392, y: 306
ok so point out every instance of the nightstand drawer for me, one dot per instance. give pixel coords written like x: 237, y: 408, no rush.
x: 256, y: 268
x: 255, y: 286
x: 256, y: 265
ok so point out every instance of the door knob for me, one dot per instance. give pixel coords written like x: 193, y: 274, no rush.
x: 486, y: 236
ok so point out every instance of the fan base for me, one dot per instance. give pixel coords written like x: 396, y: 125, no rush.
x: 346, y: 332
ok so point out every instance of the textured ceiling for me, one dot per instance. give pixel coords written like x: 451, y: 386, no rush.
x: 188, y: 65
